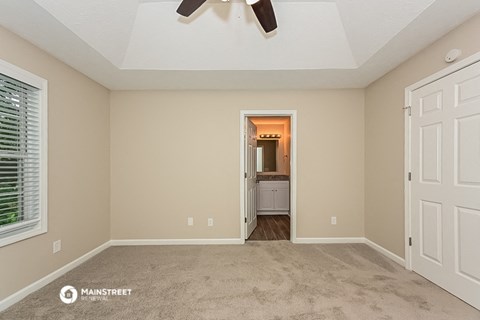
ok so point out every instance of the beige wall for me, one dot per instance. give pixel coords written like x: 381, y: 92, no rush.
x: 384, y: 135
x: 155, y: 185
x: 78, y: 186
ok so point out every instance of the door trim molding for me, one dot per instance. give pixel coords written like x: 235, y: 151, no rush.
x: 407, y: 160
x: 293, y: 165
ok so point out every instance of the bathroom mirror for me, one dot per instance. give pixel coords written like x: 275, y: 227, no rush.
x: 267, y: 155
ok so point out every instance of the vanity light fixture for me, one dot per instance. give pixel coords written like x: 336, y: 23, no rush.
x: 270, y: 136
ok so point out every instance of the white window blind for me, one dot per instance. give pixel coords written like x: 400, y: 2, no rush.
x: 20, y: 160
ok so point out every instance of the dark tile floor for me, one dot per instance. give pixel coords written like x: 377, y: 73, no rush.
x: 272, y: 228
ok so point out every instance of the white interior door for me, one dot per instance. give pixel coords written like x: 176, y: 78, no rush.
x: 250, y: 178
x: 445, y: 187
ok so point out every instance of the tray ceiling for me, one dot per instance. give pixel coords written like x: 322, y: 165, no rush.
x: 144, y: 44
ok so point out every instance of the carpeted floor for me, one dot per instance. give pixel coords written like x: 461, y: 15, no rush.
x: 259, y: 280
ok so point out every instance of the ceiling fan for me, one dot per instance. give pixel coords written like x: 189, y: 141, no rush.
x: 262, y: 8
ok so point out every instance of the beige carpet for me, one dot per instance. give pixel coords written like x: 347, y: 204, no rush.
x: 260, y: 280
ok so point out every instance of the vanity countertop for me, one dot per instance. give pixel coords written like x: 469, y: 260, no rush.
x: 273, y: 177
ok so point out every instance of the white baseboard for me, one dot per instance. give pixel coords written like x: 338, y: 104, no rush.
x: 370, y: 243
x: 385, y: 252
x: 329, y: 240
x: 165, y: 242
x: 19, y: 295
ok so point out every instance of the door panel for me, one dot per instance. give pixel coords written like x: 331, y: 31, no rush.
x: 467, y: 237
x: 282, y: 199
x: 467, y: 91
x: 467, y: 153
x: 431, y: 156
x: 445, y: 186
x: 431, y: 103
x: 265, y: 199
x: 431, y: 231
x: 250, y: 178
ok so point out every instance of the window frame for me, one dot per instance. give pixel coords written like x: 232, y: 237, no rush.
x: 21, y: 231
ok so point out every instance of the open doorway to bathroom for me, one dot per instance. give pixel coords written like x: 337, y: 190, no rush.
x: 269, y: 136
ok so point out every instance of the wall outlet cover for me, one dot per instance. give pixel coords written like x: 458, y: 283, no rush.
x: 57, y: 246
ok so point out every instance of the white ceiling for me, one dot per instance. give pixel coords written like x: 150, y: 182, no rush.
x: 145, y: 44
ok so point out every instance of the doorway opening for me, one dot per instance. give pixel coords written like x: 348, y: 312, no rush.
x: 268, y: 175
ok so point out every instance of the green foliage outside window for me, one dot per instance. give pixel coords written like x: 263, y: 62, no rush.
x: 10, y: 166
x: 9, y: 208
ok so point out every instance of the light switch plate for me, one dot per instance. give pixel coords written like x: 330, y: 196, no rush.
x: 57, y: 246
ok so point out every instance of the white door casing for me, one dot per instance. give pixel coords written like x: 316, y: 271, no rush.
x: 250, y: 178
x: 244, y: 114
x: 445, y: 182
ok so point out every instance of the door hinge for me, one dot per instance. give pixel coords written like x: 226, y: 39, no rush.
x: 245, y: 175
x: 245, y: 219
x: 410, y: 241
x: 409, y: 176
x: 409, y: 108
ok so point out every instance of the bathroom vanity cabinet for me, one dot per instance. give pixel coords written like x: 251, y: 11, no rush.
x: 273, y: 197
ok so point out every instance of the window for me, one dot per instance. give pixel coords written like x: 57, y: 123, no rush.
x: 23, y: 154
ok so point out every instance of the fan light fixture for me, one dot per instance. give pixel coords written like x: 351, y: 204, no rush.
x: 263, y: 9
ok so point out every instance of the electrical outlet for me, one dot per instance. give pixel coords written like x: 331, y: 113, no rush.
x: 190, y: 221
x: 334, y: 220
x: 210, y: 222
x: 57, y: 246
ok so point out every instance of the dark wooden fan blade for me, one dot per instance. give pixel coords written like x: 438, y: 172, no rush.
x: 187, y: 7
x: 266, y: 16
